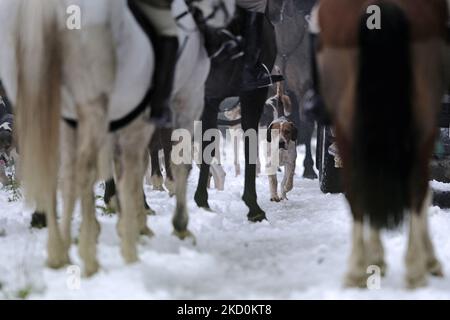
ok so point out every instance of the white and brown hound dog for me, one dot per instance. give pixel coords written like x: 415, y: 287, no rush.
x: 287, y: 157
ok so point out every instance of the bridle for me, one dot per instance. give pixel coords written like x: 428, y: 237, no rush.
x: 192, y: 9
x: 201, y: 22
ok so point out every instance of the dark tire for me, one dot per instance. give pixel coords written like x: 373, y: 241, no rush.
x: 319, y: 147
x: 329, y: 175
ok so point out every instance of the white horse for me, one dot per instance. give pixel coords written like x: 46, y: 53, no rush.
x: 96, y: 76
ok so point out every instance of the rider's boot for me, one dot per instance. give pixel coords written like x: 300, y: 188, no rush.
x: 166, y: 54
x: 255, y: 74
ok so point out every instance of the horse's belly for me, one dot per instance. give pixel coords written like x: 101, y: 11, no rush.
x: 135, y: 66
x: 134, y: 70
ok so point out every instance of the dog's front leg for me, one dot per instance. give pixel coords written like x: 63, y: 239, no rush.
x: 288, y: 180
x: 273, y: 188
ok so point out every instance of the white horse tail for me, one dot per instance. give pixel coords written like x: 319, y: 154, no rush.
x: 38, y: 99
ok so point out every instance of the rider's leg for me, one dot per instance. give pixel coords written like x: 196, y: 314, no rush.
x: 159, y: 14
x: 255, y: 74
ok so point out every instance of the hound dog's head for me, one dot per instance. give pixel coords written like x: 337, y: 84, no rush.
x: 286, y: 130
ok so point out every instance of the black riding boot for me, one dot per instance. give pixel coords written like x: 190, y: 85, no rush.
x: 166, y: 53
x: 255, y: 74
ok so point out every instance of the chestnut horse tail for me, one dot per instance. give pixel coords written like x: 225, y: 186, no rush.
x: 385, y: 142
x: 38, y: 99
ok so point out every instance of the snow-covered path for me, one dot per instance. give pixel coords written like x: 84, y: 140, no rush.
x: 299, y: 253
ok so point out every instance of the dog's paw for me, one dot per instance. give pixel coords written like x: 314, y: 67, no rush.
x: 275, y: 199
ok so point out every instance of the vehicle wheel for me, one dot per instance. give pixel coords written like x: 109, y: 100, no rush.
x: 319, y: 147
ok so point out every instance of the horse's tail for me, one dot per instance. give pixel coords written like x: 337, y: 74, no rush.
x: 385, y: 144
x: 38, y: 99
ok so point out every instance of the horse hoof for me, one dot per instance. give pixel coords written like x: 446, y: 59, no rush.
x: 416, y: 282
x: 170, y: 186
x: 435, y: 268
x: 275, y: 199
x: 150, y: 212
x: 38, y: 220
x: 356, y: 281
x: 310, y: 174
x: 58, y: 262
x: 201, y: 201
x: 184, y: 235
x: 147, y: 232
x: 92, y: 269
x: 258, y: 216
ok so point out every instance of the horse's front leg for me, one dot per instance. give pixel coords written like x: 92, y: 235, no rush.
x: 156, y: 176
x: 209, y: 121
x: 308, y: 163
x: 252, y: 104
x: 357, y: 271
x: 181, y: 217
x: 131, y: 148
x: 166, y: 141
x: 434, y: 267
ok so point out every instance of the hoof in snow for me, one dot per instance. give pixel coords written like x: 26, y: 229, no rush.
x: 201, y: 200
x: 184, y: 235
x: 256, y: 216
x: 147, y: 232
x: 92, y: 269
x: 275, y: 199
x: 157, y: 183
x: 150, y: 212
x: 416, y: 282
x: 38, y: 220
x: 434, y: 267
x: 356, y: 281
x: 58, y: 262
x: 310, y: 174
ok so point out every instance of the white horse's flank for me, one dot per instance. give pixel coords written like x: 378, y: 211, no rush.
x: 95, y: 74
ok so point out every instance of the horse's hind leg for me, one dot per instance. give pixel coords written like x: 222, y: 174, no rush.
x: 68, y: 161
x: 375, y: 251
x: 252, y: 104
x: 181, y: 218
x: 433, y: 265
x: 131, y: 148
x: 91, y: 135
x: 416, y: 257
x: 356, y: 275
x: 57, y: 257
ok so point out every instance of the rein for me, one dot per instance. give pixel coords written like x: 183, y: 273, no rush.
x: 286, y: 56
x: 203, y: 20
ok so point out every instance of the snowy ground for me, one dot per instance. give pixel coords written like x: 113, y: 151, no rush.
x: 299, y: 253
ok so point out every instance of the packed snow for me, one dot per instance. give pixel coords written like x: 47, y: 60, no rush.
x: 301, y: 252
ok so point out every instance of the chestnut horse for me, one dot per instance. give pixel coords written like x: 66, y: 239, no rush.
x: 383, y: 89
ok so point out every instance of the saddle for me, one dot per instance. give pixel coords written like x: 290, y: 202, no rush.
x: 339, y: 19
